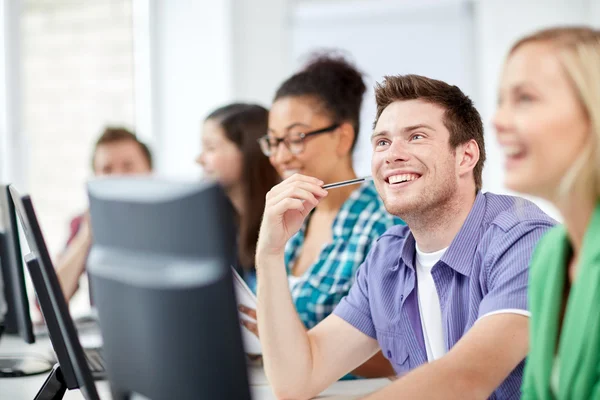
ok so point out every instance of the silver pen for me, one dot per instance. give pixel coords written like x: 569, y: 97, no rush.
x: 346, y: 183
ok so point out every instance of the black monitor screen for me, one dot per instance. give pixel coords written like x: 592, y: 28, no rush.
x: 54, y: 306
x: 17, y: 318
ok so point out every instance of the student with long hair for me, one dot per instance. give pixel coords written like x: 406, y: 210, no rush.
x: 548, y: 123
x: 232, y: 156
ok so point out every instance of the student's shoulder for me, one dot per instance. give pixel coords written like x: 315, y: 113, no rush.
x: 505, y: 213
x: 551, y: 241
x: 74, y: 226
x: 386, y: 249
x: 547, y: 248
x: 75, y: 222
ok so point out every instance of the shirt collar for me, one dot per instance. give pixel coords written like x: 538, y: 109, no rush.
x: 461, y: 252
x: 408, y: 251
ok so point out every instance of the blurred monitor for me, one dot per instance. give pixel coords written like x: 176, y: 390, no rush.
x: 17, y: 319
x: 73, y: 370
x: 161, y: 280
x: 14, y: 311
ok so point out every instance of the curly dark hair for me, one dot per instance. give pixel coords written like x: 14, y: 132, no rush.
x: 335, y: 83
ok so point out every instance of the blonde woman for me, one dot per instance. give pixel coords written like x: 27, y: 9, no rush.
x: 548, y: 123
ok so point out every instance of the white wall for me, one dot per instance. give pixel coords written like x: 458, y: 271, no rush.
x: 206, y: 54
x: 389, y: 38
x: 192, y: 72
x: 209, y: 53
x: 261, y: 50
x: 463, y: 42
x: 594, y: 15
x: 499, y: 23
x: 12, y: 145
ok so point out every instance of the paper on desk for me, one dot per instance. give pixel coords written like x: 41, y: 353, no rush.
x: 91, y: 340
x: 245, y: 297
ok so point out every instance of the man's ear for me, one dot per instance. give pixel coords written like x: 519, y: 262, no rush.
x: 467, y: 156
x: 346, y: 138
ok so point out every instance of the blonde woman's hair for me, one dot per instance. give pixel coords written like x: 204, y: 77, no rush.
x: 578, y: 50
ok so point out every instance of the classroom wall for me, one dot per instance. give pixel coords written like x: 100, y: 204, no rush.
x: 207, y: 54
x: 268, y: 38
x: 430, y: 41
x: 499, y: 23
x: 261, y: 51
x: 193, y: 66
x: 76, y: 76
x: 192, y: 56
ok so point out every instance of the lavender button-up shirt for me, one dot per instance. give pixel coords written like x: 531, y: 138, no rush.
x: 484, y: 270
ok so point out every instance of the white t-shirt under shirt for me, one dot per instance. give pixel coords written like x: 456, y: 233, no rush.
x: 429, y: 304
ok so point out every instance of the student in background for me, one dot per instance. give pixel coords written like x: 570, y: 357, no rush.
x: 548, y: 123
x: 116, y: 152
x: 313, y: 129
x: 231, y: 155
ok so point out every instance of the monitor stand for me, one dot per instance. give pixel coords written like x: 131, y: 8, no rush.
x: 54, y: 386
x: 22, y: 365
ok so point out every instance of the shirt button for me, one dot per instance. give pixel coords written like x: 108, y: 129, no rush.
x: 389, y: 354
x: 401, y: 297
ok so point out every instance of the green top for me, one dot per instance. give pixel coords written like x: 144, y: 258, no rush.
x: 578, y: 356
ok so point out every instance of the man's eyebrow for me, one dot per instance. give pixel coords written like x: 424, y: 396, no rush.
x: 404, y: 130
x: 417, y: 126
x: 378, y: 134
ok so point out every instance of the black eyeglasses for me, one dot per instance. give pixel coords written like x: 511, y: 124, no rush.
x: 294, y: 143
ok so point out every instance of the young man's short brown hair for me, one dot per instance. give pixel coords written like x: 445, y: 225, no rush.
x: 118, y: 134
x: 461, y: 117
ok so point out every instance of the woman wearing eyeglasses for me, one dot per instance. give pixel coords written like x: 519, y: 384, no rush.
x: 313, y: 129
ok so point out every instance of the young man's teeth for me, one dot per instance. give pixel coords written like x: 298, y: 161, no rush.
x: 402, y: 178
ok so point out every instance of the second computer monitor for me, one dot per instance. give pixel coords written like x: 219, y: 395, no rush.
x: 17, y: 318
x: 74, y: 372
x: 161, y: 280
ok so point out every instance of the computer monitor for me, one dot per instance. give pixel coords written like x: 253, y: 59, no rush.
x: 161, y: 280
x: 71, y: 371
x: 16, y: 318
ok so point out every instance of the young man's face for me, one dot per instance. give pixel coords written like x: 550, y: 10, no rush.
x: 124, y: 157
x: 413, y: 166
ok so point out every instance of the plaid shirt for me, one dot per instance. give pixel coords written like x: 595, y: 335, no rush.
x: 360, y: 221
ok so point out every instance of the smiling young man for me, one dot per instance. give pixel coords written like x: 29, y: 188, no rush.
x: 444, y: 298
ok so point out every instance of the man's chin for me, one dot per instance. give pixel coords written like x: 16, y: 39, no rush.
x: 398, y: 209
x: 406, y: 204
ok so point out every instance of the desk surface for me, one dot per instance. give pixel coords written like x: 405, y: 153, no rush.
x: 26, y: 387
